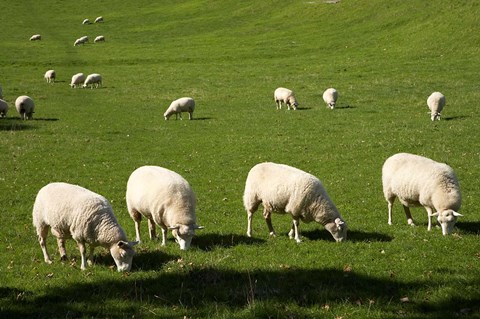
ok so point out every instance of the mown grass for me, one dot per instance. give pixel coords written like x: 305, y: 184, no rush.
x: 385, y: 58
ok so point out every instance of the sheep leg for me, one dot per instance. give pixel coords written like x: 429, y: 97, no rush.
x: 81, y: 247
x: 61, y: 249
x: 409, y: 215
x: 294, y: 233
x: 151, y: 229
x: 267, y: 214
x: 42, y: 237
x: 390, y: 206
x: 164, y: 235
x: 429, y: 213
x: 137, y: 230
x: 190, y: 115
x: 90, y: 257
x: 249, y: 222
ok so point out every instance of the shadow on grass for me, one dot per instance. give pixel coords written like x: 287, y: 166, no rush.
x: 202, y: 118
x: 352, y: 235
x: 209, y: 242
x: 451, y: 118
x: 469, y: 227
x: 17, y: 124
x: 143, y: 260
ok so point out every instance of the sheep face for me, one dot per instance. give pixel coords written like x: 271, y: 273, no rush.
x: 338, y: 229
x: 447, y: 220
x: 183, y: 234
x: 435, y: 116
x: 123, y: 252
x: 293, y: 102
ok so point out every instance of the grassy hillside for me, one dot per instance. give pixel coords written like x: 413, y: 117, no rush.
x: 384, y: 57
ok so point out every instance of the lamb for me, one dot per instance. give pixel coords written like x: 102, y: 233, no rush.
x: 330, y: 97
x: 184, y: 104
x: 77, y: 80
x: 100, y: 38
x: 50, y: 76
x: 283, y: 95
x: 3, y: 108
x: 25, y: 107
x: 420, y: 181
x: 86, y: 21
x: 71, y: 211
x: 436, y: 103
x: 284, y: 189
x: 36, y: 37
x: 99, y: 19
x: 93, y: 79
x: 165, y: 198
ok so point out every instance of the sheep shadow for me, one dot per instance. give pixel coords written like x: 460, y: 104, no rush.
x: 202, y: 118
x: 208, y: 242
x: 16, y: 126
x: 452, y: 118
x: 472, y: 228
x: 352, y: 235
x: 144, y: 260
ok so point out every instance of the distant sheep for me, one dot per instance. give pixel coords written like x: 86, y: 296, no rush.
x: 330, y: 97
x: 25, y: 107
x: 71, y: 211
x: 420, y: 181
x: 184, y: 104
x: 86, y: 21
x: 50, y: 76
x: 3, y: 108
x: 36, y: 37
x: 78, y: 42
x: 283, y: 95
x: 94, y: 80
x: 285, y: 189
x: 100, y: 38
x: 164, y: 198
x: 84, y: 39
x: 99, y: 19
x: 77, y: 80
x: 436, y: 103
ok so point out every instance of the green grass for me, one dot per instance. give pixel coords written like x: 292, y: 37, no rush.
x: 384, y: 58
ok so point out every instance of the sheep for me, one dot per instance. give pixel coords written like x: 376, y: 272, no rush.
x: 100, y: 38
x: 284, y: 189
x: 36, y: 37
x: 99, y: 19
x: 50, y: 76
x: 436, y: 103
x: 330, y: 97
x: 420, y: 181
x: 84, y: 39
x: 86, y: 21
x: 93, y: 79
x: 3, y: 108
x: 25, y: 107
x: 286, y: 96
x: 166, y: 199
x: 72, y: 211
x: 184, y: 104
x: 77, y: 80
x: 78, y: 42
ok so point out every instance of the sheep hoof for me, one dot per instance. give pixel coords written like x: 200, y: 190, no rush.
x: 63, y: 258
x: 272, y: 234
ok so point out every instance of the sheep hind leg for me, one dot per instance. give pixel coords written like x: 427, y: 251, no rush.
x: 390, y: 207
x: 267, y: 214
x: 81, y: 247
x: 42, y: 238
x: 409, y: 215
x: 151, y: 229
x: 61, y: 249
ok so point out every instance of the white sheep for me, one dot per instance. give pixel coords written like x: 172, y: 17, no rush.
x: 283, y: 95
x: 36, y: 37
x: 78, y: 42
x: 86, y: 21
x: 436, y: 102
x: 420, y: 181
x: 94, y: 80
x: 99, y: 38
x: 50, y: 76
x: 25, y: 107
x: 284, y: 189
x: 71, y: 211
x: 164, y: 198
x: 3, y: 108
x: 99, y: 19
x: 77, y: 80
x: 84, y: 39
x: 330, y: 97
x: 184, y: 104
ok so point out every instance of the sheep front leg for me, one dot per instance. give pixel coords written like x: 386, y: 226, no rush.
x: 90, y: 257
x: 164, y: 235
x: 267, y: 214
x: 294, y: 233
x: 390, y: 206
x: 409, y: 215
x: 81, y: 247
x: 151, y: 229
x: 429, y: 213
x: 190, y: 115
x: 249, y: 223
x: 61, y: 249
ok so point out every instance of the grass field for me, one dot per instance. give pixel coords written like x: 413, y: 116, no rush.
x: 384, y: 57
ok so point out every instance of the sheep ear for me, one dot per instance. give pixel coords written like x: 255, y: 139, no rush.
x: 198, y: 227
x: 457, y: 214
x: 435, y: 214
x: 174, y: 227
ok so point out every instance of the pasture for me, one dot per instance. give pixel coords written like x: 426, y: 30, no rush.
x: 384, y: 58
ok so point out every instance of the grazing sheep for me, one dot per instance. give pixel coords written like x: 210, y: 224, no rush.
x: 100, y: 38
x: 330, y: 97
x: 165, y: 198
x: 84, y: 39
x: 36, y: 37
x: 77, y: 80
x: 285, y: 189
x: 436, y: 102
x: 3, y: 108
x: 86, y: 21
x: 420, y: 181
x: 25, y: 107
x: 71, y: 211
x: 99, y: 19
x: 50, y: 76
x: 93, y: 79
x: 78, y: 42
x: 184, y: 104
x: 286, y: 96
